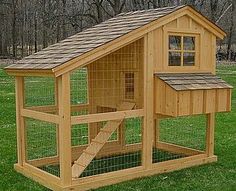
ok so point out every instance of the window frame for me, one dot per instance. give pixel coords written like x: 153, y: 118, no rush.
x: 182, y: 33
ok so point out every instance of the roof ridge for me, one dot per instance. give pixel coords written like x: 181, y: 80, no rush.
x: 152, y: 9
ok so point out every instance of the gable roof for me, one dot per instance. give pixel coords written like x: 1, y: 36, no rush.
x: 193, y: 81
x: 90, y: 39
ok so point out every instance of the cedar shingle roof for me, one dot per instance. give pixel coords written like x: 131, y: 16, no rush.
x: 91, y: 38
x: 193, y: 81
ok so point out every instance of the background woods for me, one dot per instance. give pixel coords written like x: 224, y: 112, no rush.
x: 28, y: 26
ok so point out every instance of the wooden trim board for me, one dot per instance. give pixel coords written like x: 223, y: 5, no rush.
x: 40, y: 116
x: 91, y: 118
x: 177, y: 149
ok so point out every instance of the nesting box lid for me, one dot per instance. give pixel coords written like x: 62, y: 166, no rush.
x: 193, y: 81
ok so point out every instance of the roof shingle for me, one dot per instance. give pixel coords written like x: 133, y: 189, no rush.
x: 91, y: 38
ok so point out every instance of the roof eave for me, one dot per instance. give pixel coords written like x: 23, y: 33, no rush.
x: 30, y: 72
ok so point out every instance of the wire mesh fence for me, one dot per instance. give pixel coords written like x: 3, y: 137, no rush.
x: 39, y: 91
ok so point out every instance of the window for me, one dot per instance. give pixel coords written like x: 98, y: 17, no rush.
x: 182, y: 50
x: 129, y: 85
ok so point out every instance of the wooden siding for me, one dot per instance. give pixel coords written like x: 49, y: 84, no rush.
x: 205, y: 46
x: 190, y: 102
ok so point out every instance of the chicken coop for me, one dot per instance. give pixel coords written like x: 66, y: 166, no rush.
x: 133, y: 96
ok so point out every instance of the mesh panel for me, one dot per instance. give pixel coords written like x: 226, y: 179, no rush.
x: 113, y: 163
x: 42, y: 142
x: 185, y: 131
x: 79, y: 86
x: 41, y: 139
x: 39, y: 91
x: 133, y: 130
x: 79, y: 134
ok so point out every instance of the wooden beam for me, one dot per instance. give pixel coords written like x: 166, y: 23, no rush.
x: 98, y: 117
x: 157, y: 131
x: 20, y: 122
x: 210, y: 134
x: 148, y: 127
x: 21, y: 72
x: 80, y: 107
x: 45, y: 108
x: 177, y: 149
x: 54, y: 108
x: 40, y: 116
x: 64, y: 129
x: 44, y: 161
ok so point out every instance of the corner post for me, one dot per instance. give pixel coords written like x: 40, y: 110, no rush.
x: 64, y: 129
x: 210, y: 134
x: 20, y: 122
x: 148, y: 128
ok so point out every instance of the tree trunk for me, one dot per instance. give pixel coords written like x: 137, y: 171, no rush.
x: 64, y: 19
x: 14, y: 50
x: 36, y: 32
x: 229, y: 44
x: 44, y: 25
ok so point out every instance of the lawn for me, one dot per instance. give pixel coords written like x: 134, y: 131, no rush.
x: 217, y: 176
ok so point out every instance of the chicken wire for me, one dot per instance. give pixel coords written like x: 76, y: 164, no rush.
x: 39, y: 91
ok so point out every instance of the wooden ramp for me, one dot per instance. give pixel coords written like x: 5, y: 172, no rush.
x: 98, y: 142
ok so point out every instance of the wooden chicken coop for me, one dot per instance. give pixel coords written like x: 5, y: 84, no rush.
x: 133, y: 96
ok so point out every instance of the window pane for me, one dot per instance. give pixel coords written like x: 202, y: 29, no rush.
x: 189, y: 59
x: 189, y: 43
x: 174, y: 58
x: 174, y: 42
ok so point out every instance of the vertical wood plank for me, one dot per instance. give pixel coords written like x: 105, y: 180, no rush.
x: 20, y: 123
x: 210, y: 134
x: 157, y: 131
x: 64, y: 129
x: 229, y: 94
x: 148, y: 129
x: 57, y: 110
x: 213, y: 58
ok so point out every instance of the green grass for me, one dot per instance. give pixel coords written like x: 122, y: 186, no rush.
x: 218, y: 176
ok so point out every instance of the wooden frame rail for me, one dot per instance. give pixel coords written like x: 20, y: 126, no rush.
x: 98, y: 117
x: 40, y: 116
x: 177, y: 149
x: 54, y: 108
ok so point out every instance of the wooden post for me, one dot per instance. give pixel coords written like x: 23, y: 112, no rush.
x: 210, y: 134
x: 148, y: 128
x: 64, y: 129
x: 20, y: 123
x: 157, y: 132
x: 57, y: 110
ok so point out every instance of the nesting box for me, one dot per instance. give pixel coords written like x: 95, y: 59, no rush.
x: 106, y: 105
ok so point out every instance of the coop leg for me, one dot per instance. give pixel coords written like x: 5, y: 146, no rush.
x: 148, y: 127
x: 210, y: 134
x: 64, y: 129
x: 20, y: 123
